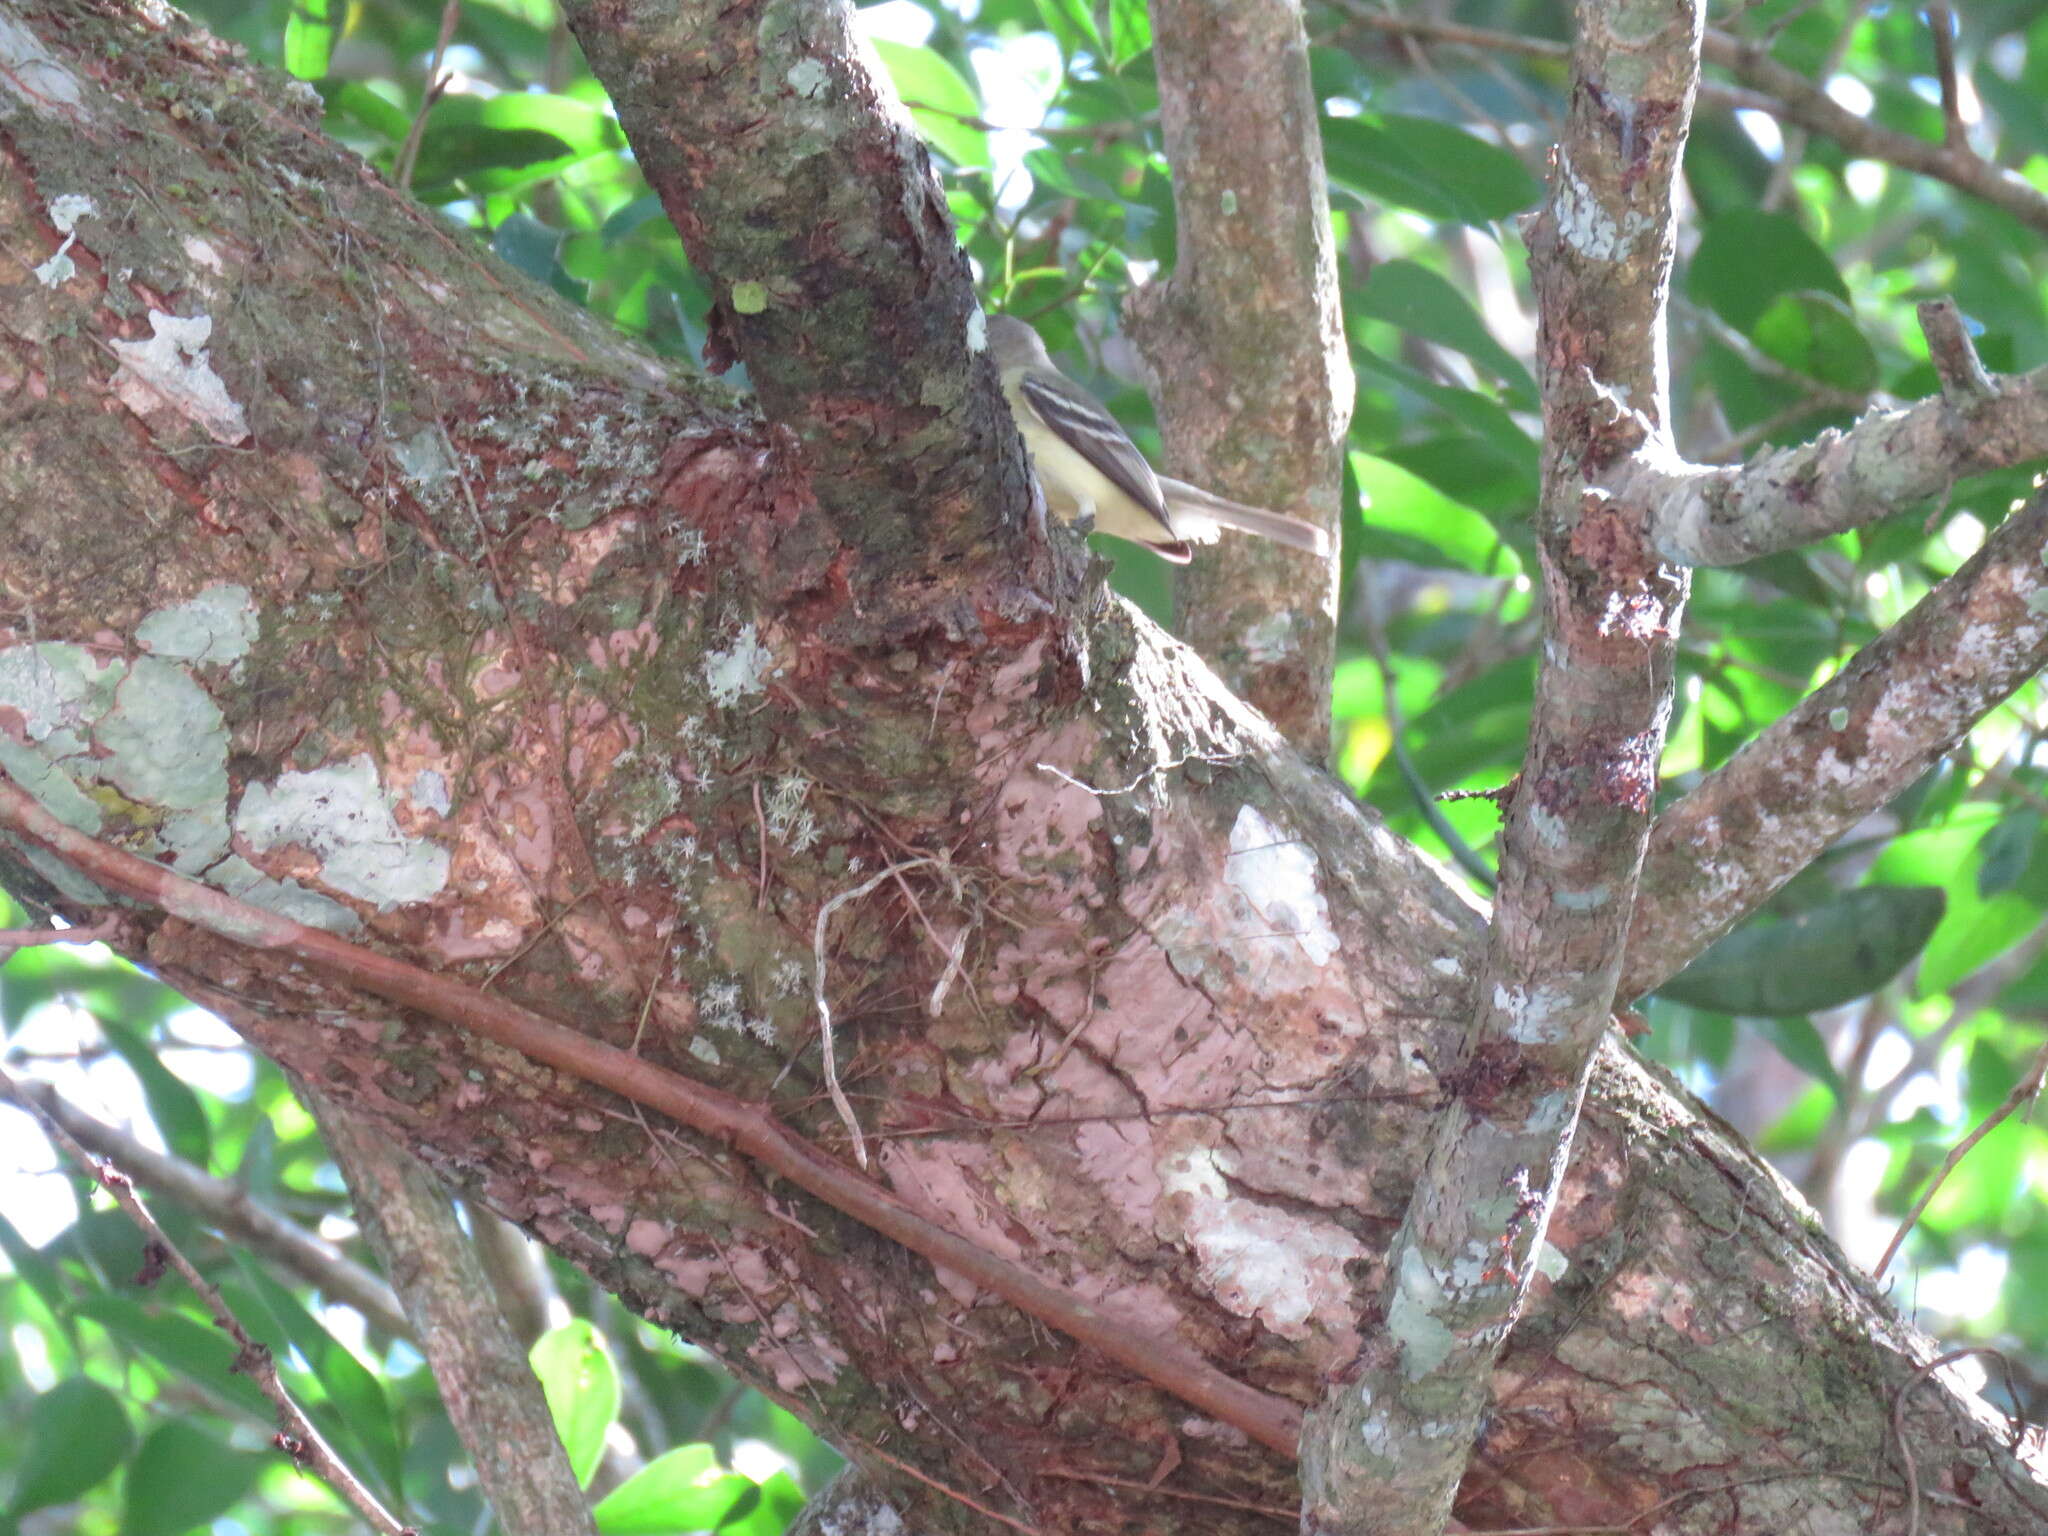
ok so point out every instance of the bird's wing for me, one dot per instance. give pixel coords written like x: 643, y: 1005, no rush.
x: 1094, y: 434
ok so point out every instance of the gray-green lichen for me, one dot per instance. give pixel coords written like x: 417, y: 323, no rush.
x: 164, y: 739
x: 143, y: 731
x: 342, y: 815
x: 216, y: 628
x: 245, y: 882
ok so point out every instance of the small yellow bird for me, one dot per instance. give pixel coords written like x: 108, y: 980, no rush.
x: 1087, y: 463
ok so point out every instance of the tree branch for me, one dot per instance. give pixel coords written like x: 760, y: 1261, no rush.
x: 1866, y: 734
x: 1388, y: 1445
x: 807, y: 200
x: 1726, y: 515
x: 1246, y: 339
x: 1272, y: 1422
x: 480, y: 1366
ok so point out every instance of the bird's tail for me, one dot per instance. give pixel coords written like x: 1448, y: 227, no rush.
x: 1197, y: 514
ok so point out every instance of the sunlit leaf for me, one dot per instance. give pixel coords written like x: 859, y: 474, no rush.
x: 1407, y: 516
x: 940, y: 99
x: 582, y: 1388
x: 681, y: 1490
x: 309, y: 34
x: 77, y: 1434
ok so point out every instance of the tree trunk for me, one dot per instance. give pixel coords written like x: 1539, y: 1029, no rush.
x: 455, y: 624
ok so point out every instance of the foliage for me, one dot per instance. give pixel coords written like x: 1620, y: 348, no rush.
x: 1897, y: 986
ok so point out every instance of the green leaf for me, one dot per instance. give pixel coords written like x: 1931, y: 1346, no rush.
x: 1975, y: 928
x: 1130, y: 31
x: 528, y: 244
x: 2006, y: 851
x: 502, y: 143
x: 1989, y: 1185
x: 182, y: 1478
x: 356, y: 1395
x: 938, y: 96
x: 355, y: 100
x: 1820, y: 958
x: 29, y: 1265
x: 1746, y: 259
x: 172, y: 1104
x: 1476, y: 471
x: 106, y: 987
x: 76, y: 1435
x: 1073, y: 24
x: 1817, y: 334
x: 183, y: 1344
x: 582, y: 1388
x: 1979, y: 930
x: 309, y: 34
x: 629, y: 216
x: 680, y: 1490
x: 1409, y: 295
x: 1800, y: 1043
x: 1406, y: 517
x: 1431, y: 167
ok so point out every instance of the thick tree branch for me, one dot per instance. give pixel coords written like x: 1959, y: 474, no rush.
x: 807, y: 199
x: 1402, y: 1421
x: 1246, y: 340
x: 1879, y: 467
x: 1271, y: 1421
x: 1858, y: 740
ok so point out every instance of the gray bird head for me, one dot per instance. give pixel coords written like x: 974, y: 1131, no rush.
x: 1014, y: 344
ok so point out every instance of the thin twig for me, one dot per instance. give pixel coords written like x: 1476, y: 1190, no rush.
x: 12, y: 939
x: 1941, y: 21
x: 230, y: 1210
x: 824, y: 1007
x: 296, y: 1435
x: 2026, y: 1088
x: 1899, y: 1423
x: 409, y: 151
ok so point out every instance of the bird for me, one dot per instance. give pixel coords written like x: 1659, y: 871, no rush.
x: 1087, y: 463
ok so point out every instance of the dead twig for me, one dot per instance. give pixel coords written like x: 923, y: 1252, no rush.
x: 296, y: 1436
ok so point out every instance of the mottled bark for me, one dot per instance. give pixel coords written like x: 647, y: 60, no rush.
x: 1387, y: 1448
x: 807, y: 200
x: 1246, y: 340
